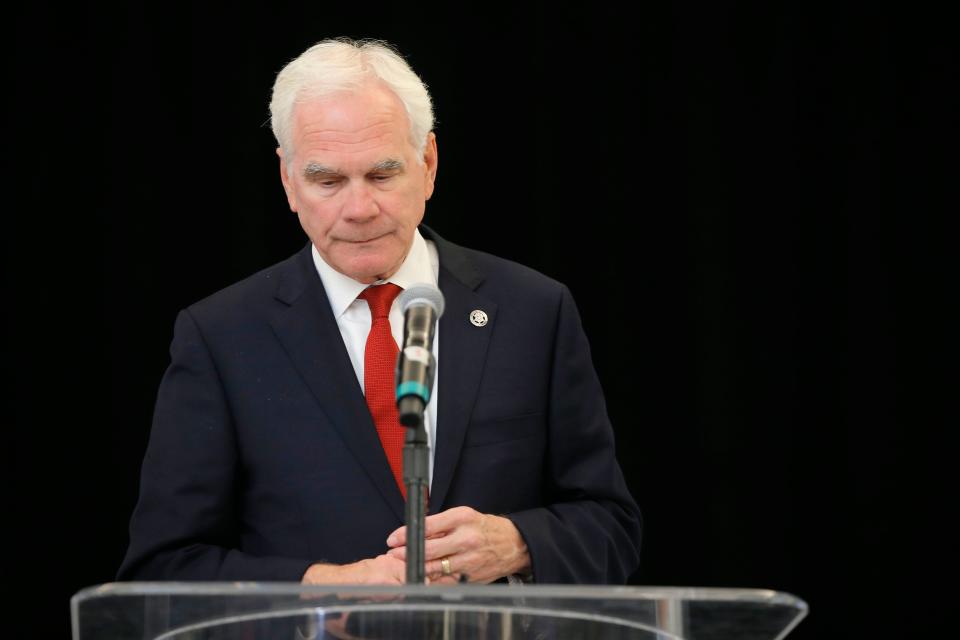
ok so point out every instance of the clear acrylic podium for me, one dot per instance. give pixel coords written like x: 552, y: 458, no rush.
x: 277, y: 611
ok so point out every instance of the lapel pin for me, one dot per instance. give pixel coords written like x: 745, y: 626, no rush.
x: 478, y: 318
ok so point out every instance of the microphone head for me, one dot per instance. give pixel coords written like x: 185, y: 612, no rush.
x: 422, y: 293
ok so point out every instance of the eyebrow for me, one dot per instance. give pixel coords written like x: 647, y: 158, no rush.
x: 315, y: 169
x: 388, y: 165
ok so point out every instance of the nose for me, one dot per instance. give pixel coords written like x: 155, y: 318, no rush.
x: 360, y: 205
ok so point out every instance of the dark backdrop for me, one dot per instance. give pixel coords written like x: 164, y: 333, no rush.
x: 748, y: 202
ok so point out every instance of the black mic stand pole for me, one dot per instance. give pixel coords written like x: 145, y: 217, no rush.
x: 416, y: 477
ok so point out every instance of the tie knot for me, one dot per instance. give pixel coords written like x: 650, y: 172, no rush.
x: 380, y: 297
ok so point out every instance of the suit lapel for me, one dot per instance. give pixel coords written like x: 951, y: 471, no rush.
x: 309, y: 334
x: 463, y: 351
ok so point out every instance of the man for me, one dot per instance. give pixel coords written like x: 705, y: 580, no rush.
x: 266, y: 460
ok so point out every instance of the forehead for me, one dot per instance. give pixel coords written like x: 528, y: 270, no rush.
x: 350, y: 123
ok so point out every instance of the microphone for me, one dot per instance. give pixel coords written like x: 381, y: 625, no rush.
x: 422, y: 306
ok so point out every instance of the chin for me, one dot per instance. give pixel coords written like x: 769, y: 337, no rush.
x: 370, y: 273
x: 365, y: 265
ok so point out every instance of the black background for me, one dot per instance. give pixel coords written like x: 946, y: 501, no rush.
x: 748, y: 201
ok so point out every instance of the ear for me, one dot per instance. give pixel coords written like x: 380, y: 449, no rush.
x: 430, y: 160
x: 287, y: 182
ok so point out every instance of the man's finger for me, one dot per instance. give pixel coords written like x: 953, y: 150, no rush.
x: 436, y: 525
x: 458, y: 565
x: 433, y: 549
x: 441, y: 547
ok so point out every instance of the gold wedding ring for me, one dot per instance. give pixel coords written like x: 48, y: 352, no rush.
x: 445, y: 567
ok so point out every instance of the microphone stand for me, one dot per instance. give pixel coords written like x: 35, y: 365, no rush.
x: 422, y: 306
x: 416, y: 478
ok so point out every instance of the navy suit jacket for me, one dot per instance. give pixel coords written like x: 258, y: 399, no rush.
x: 263, y: 457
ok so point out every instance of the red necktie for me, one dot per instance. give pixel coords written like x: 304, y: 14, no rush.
x: 379, y: 364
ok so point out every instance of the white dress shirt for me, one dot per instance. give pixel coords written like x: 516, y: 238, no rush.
x: 422, y: 264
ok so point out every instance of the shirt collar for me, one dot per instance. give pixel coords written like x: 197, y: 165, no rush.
x: 343, y: 290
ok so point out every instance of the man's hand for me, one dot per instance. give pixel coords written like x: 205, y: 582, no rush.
x: 383, y: 569
x: 483, y: 547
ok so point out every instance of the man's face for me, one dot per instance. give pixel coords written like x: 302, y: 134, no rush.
x: 356, y: 182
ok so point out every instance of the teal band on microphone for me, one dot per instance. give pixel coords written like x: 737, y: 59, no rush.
x: 414, y: 389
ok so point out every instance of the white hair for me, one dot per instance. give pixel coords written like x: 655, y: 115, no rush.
x: 343, y: 64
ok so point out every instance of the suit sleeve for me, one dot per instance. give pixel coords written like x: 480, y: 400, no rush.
x: 185, y: 525
x: 589, y: 531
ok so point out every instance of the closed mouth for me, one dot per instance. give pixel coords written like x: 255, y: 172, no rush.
x: 364, y: 241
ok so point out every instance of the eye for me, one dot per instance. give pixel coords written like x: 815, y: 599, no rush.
x: 327, y: 183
